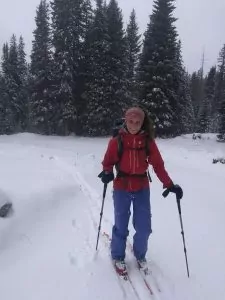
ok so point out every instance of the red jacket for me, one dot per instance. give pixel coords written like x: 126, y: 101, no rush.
x: 134, y: 162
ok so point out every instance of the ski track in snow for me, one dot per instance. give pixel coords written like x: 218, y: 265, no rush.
x: 94, y: 204
x: 87, y: 190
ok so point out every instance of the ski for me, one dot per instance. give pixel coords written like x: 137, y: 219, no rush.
x: 126, y: 278
x: 146, y: 275
x: 123, y: 278
x: 123, y: 275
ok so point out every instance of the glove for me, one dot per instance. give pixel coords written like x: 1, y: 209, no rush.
x: 176, y: 189
x: 106, y: 177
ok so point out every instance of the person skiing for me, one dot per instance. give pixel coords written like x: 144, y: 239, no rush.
x: 131, y: 184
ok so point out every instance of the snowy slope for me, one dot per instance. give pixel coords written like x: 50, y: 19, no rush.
x: 47, y: 247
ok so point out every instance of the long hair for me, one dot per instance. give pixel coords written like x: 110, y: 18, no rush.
x: 148, y: 126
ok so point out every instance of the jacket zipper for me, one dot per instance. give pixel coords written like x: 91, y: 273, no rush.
x: 134, y: 155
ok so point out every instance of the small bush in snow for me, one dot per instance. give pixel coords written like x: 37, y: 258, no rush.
x: 221, y: 138
x: 196, y: 136
x: 220, y: 160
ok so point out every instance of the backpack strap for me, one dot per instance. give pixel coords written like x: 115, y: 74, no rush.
x: 147, y: 151
x: 120, y: 146
x: 119, y: 151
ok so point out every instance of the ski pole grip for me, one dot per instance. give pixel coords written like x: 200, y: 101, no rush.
x: 165, y: 193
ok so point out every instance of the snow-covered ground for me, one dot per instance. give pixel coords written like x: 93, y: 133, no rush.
x: 47, y: 246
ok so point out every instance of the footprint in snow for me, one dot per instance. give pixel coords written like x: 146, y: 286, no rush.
x: 72, y: 259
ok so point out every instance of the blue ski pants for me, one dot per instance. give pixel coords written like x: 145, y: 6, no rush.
x: 141, y: 222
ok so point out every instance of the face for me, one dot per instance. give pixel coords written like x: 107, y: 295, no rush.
x: 134, y: 125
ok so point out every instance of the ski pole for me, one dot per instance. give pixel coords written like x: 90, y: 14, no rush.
x: 165, y: 194
x: 182, y: 232
x: 101, y: 213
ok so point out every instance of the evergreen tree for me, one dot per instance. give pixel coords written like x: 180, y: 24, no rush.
x: 220, y: 94
x: 185, y: 112
x: 13, y: 87
x: 117, y: 96
x: 42, y: 107
x: 87, y: 17
x: 22, y: 64
x: 105, y: 93
x: 12, y: 84
x: 69, y: 23
x: 206, y: 115
x: 13, y: 69
x: 5, y: 58
x: 62, y: 22
x: 3, y: 103
x: 2, y: 106
x: 94, y: 109
x: 6, y: 114
x: 221, y: 129
x: 158, y: 74
x: 220, y: 78
x: 196, y: 92
x: 83, y: 68
x: 23, y: 78
x: 134, y: 45
x: 133, y: 39
x: 197, y: 96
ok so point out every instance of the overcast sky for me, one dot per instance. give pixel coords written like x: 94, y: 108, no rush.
x: 201, y: 25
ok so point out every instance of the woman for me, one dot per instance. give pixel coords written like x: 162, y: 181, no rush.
x: 132, y: 185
